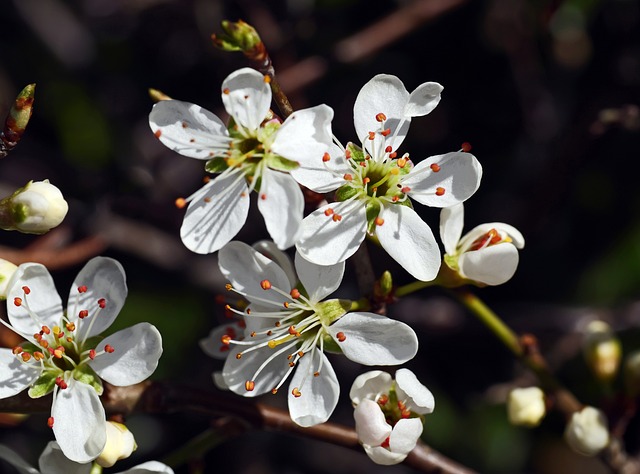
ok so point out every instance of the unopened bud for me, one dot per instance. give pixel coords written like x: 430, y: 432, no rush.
x: 632, y: 373
x: 237, y: 36
x: 7, y: 269
x: 120, y: 444
x: 17, y: 119
x: 587, y: 431
x: 35, y: 208
x: 526, y: 406
x: 602, y: 350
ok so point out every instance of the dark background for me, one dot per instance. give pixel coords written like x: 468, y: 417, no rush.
x: 545, y: 91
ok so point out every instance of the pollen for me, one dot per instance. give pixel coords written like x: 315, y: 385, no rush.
x: 226, y: 339
x: 158, y: 133
x: 58, y: 352
x: 379, y: 221
x: 239, y: 355
x: 50, y: 422
x: 17, y: 301
x: 181, y: 203
x: 82, y: 289
x: 326, y: 157
x: 316, y: 374
x: 435, y: 167
x: 296, y: 392
x: 70, y: 327
x: 393, y: 155
x: 83, y: 313
x: 341, y: 337
x: 26, y: 290
x: 328, y: 212
x: 102, y: 303
x: 402, y: 162
x: 263, y: 197
x: 366, y: 180
x: 228, y: 287
x: 267, y: 79
x: 226, y: 91
x: 17, y: 350
x: 249, y: 385
x: 380, y: 117
x: 372, y: 135
x: 336, y: 218
x: 385, y: 132
x: 37, y: 355
x: 347, y: 177
x: 26, y: 357
x: 274, y: 391
x: 265, y: 284
x: 109, y: 349
x: 295, y: 294
x: 92, y: 354
x: 46, y: 330
x: 439, y: 191
x: 388, y: 149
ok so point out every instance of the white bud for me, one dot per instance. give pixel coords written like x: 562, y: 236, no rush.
x: 602, y: 350
x: 37, y: 207
x: 120, y: 444
x: 587, y: 431
x: 7, y: 269
x: 526, y: 407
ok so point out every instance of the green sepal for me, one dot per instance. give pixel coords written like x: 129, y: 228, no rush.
x: 332, y: 310
x: 406, y: 202
x: 451, y: 261
x: 86, y: 374
x: 357, y: 154
x: 345, y: 192
x: 373, y: 209
x: 44, y: 384
x: 216, y: 165
x: 279, y: 163
x: 386, y: 283
x: 330, y: 345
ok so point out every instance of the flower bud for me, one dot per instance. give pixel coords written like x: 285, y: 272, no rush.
x: 7, y: 269
x: 35, y: 208
x: 17, y: 120
x: 587, y: 431
x: 632, y: 373
x: 526, y: 406
x: 602, y: 350
x: 238, y: 36
x: 120, y: 444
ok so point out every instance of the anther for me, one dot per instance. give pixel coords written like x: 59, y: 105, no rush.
x: 265, y: 284
x: 70, y: 327
x: 296, y: 392
x: 83, y: 313
x: 380, y: 117
x: 435, y: 167
x: 17, y: 301
x: 207, y: 199
x: 326, y: 157
x: 439, y: 191
x: 46, y: 330
x: 379, y: 221
x: 249, y: 385
x: 253, y: 334
x: 295, y: 294
x: 372, y: 135
x: 181, y: 203
x: 328, y: 212
x: 228, y: 287
x: 366, y: 180
x: 17, y: 350
x: 388, y: 149
x: 347, y: 154
x: 226, y: 339
x: 383, y: 400
x: 402, y: 162
x: 267, y: 79
x: 37, y: 355
x: 26, y: 357
x: 82, y: 289
x: 347, y: 177
x: 102, y: 303
x: 108, y: 348
x: 157, y: 133
x: 239, y: 355
x: 92, y: 354
x: 226, y: 91
x: 58, y: 352
x: 393, y: 155
x: 61, y: 383
x: 316, y: 374
x: 274, y: 391
x: 385, y: 132
x: 341, y: 337
x: 336, y: 218
x: 466, y: 147
x: 26, y: 290
x: 50, y: 422
x: 286, y: 304
x: 263, y: 196
x: 292, y: 330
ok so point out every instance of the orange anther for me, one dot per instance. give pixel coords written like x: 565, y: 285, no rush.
x: 83, y: 313
x: 402, y: 162
x: 102, y: 303
x: 50, y: 422
x: 228, y: 287
x: 372, y: 135
x: 393, y: 155
x: 92, y: 354
x: 226, y: 339
x: 70, y: 327
x: 17, y: 301
x: 109, y: 348
x: 380, y: 117
x: 239, y: 355
x: 46, y: 330
x: 265, y: 284
x: 439, y: 191
x: 157, y: 133
x: 435, y: 167
x: 388, y: 149
x: 336, y: 218
x: 181, y: 203
x: 341, y: 337
x: 295, y: 294
x: 379, y: 221
x: 267, y: 79
x: 328, y: 212
x: 26, y: 290
x: 347, y: 177
x: 466, y: 147
x: 17, y: 350
x: 296, y: 392
x: 249, y: 385
x: 82, y: 289
x: 26, y: 357
x: 326, y: 157
x: 386, y: 132
x: 226, y: 90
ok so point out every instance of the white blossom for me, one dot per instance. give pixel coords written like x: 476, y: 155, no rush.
x: 389, y: 413
x: 256, y: 153
x: 288, y: 327
x: 374, y: 185
x: 587, y: 432
x: 63, y: 354
x: 488, y: 254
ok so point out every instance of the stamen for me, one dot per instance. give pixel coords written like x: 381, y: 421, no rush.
x: 435, y: 167
x: 439, y: 191
x: 249, y: 385
x: 26, y: 290
x: 380, y: 117
x: 341, y: 337
x: 379, y: 221
x: 326, y: 157
x: 265, y: 284
x: 82, y: 289
x: 102, y: 303
x: 181, y: 203
x: 50, y: 422
x: 296, y: 392
x: 466, y: 147
x: 295, y: 294
x: 109, y: 348
x: 83, y: 313
x: 17, y: 301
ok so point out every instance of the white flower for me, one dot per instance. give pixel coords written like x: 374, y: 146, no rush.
x: 256, y: 152
x: 287, y: 328
x: 389, y: 414
x: 487, y: 254
x: 7, y: 269
x: 63, y: 355
x: 373, y: 185
x: 526, y: 406
x: 53, y: 461
x: 35, y: 208
x: 587, y: 432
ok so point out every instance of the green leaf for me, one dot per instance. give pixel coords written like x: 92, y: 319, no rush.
x: 44, y: 384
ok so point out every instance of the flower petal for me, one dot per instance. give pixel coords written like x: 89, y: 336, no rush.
x: 104, y: 278
x: 137, y: 350
x: 409, y: 240
x: 423, y: 99
x: 188, y: 129
x: 149, y: 467
x: 15, y: 375
x: 246, y: 97
x: 245, y: 268
x: 405, y: 435
x: 370, y: 385
x: 321, y: 176
x: 493, y: 265
x: 383, y: 456
x: 326, y: 241
x: 419, y: 398
x: 281, y: 203
x: 305, y: 135
x: 451, y: 225
x: 53, y: 461
x: 16, y: 461
x: 319, y: 280
x: 371, y: 426
x: 43, y: 300
x: 272, y: 252
x: 79, y: 422
x: 371, y: 339
x: 319, y: 394
x: 459, y: 176
x: 216, y: 214
x: 212, y: 345
x: 386, y: 94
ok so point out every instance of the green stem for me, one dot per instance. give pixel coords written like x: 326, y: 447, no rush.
x: 96, y: 468
x: 409, y: 288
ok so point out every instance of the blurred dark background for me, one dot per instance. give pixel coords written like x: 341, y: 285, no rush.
x: 546, y: 91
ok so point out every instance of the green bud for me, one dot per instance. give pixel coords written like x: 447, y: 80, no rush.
x: 385, y: 283
x: 602, y: 350
x: 237, y: 36
x: 17, y: 120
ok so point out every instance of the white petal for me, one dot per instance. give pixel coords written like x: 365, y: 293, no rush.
x: 405, y: 435
x: 237, y: 372
x: 246, y: 97
x: 319, y: 280
x: 137, y: 350
x: 423, y: 100
x: 16, y: 461
x: 305, y: 135
x: 319, y: 395
x: 149, y: 467
x: 320, y: 176
x: 79, y: 422
x: 272, y: 252
x: 371, y: 425
x: 383, y: 456
x: 15, y: 375
x: 371, y: 339
x: 369, y: 385
x: 42, y: 301
x: 218, y: 381
x: 245, y: 269
x: 459, y: 176
x: 104, y: 278
x: 212, y: 345
x: 386, y: 94
x: 188, y: 129
x: 451, y: 225
x: 471, y: 236
x: 216, y: 215
x: 493, y: 265
x: 281, y: 203
x: 419, y: 398
x: 409, y: 240
x: 53, y: 461
x: 325, y: 241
